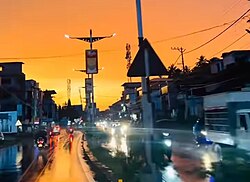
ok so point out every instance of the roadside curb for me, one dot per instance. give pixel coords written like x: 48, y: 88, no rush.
x: 89, y: 174
x: 102, y: 172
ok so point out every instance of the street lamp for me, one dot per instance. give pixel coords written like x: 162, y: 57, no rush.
x: 90, y: 40
x: 84, y: 71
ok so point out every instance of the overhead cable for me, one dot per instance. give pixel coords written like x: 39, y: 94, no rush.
x: 202, y: 45
x: 230, y: 44
x: 192, y: 33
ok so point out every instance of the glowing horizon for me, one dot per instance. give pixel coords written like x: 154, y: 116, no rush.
x: 34, y: 32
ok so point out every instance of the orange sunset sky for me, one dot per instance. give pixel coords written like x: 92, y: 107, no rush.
x: 32, y: 29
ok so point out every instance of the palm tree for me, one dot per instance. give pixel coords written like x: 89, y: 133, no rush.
x: 173, y: 71
x: 201, y: 61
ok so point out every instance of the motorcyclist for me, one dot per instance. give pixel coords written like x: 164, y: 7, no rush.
x: 42, y: 134
x: 200, y: 134
x: 197, y: 128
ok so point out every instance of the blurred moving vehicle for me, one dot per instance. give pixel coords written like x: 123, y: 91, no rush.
x: 162, y: 149
x: 167, y: 145
x: 71, y: 137
x: 41, y: 138
x: 40, y: 142
x: 70, y: 130
x: 56, y: 130
x: 71, y: 134
x: 200, y: 134
x: 1, y: 137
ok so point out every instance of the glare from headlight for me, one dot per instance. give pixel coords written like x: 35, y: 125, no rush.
x: 168, y: 142
x: 165, y: 134
x: 203, y: 132
x: 124, y: 129
x: 112, y: 131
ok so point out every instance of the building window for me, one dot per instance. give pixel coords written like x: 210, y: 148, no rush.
x: 1, y: 68
x: 243, y: 122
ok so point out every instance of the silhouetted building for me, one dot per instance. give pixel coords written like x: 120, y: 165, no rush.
x: 33, y: 109
x: 12, y: 90
x: 49, y: 106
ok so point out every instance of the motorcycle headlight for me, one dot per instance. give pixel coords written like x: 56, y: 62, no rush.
x: 168, y: 142
x: 203, y: 132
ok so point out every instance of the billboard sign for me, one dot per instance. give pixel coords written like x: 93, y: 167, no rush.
x: 91, y: 61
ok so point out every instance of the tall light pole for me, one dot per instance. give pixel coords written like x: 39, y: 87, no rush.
x: 146, y: 100
x: 87, y: 93
x: 91, y: 40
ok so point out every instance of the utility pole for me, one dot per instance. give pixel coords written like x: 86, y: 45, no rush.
x: 68, y: 89
x: 181, y: 50
x: 147, y: 109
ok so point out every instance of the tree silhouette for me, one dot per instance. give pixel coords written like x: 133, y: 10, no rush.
x: 202, y: 61
x: 173, y: 71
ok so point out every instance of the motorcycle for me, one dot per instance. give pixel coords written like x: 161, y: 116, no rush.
x: 167, y: 140
x: 40, y: 142
x: 201, y: 135
x: 201, y: 139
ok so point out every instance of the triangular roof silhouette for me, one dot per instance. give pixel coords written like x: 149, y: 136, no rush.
x: 156, y: 67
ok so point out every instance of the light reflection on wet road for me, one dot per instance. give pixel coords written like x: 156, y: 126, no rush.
x: 15, y: 159
x: 189, y: 163
x: 64, y: 166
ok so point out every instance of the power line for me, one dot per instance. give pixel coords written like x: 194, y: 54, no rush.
x: 177, y: 59
x: 51, y: 57
x: 202, y: 45
x: 230, y: 44
x: 40, y: 57
x: 192, y: 33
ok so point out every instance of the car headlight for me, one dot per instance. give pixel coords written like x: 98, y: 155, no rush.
x: 168, y: 142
